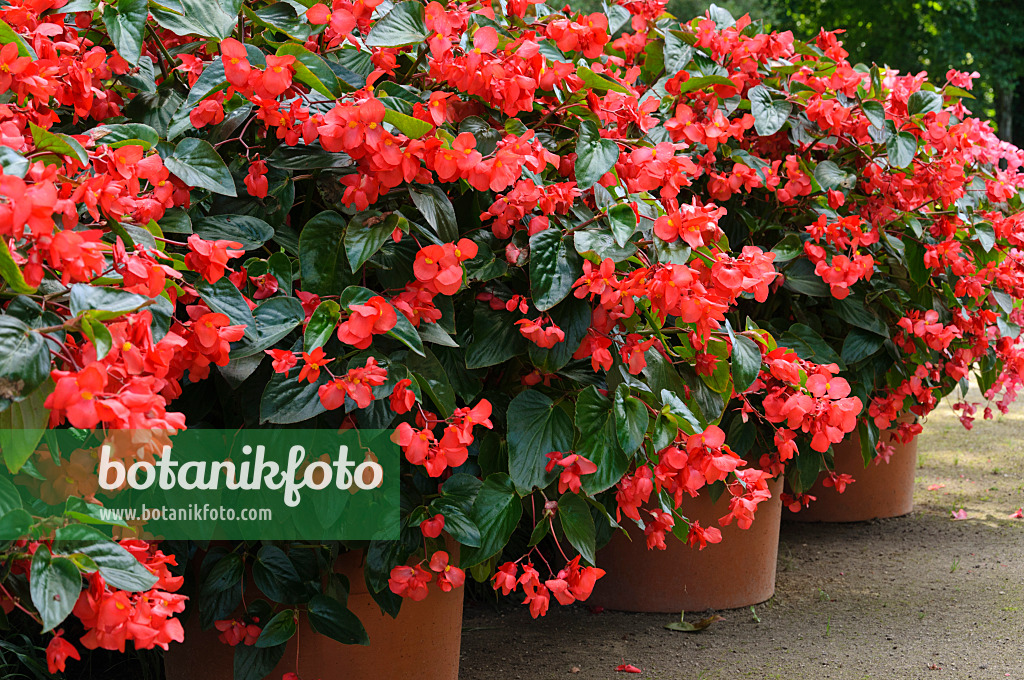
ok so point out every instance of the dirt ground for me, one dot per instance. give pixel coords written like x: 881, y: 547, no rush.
x: 922, y: 596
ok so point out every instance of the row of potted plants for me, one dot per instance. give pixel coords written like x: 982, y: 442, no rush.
x: 586, y: 268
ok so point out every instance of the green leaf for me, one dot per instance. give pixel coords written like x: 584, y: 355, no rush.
x: 986, y: 236
x: 278, y: 630
x: 407, y: 125
x: 255, y: 663
x: 875, y: 112
x: 496, y: 511
x: 320, y: 244
x: 250, y: 232
x: 366, y: 233
x: 924, y: 101
x: 433, y: 380
x: 116, y: 136
x: 24, y: 358
x: 10, y: 499
x: 599, y: 440
x: 208, y: 18
x: 118, y: 567
x: 126, y: 26
x: 286, y: 400
x: 578, y: 524
x: 11, y: 272
x: 496, y: 339
x: 12, y: 162
x: 401, y: 27
x: 623, y: 223
x: 14, y: 525
x: 684, y: 417
x: 175, y: 221
x: 283, y: 17
x: 222, y: 297
x: 312, y: 70
x: 631, y: 420
x: 599, y: 83
x: 54, y: 583
x: 551, y: 271
x: 830, y: 176
x: 9, y: 35
x: 226, y: 574
x: 57, y: 143
x: 808, y: 345
x: 860, y: 344
x: 677, y: 53
x: 435, y: 207
x: 321, y: 325
x: 536, y: 427
x: 853, y: 311
x: 456, y: 504
x: 280, y: 266
x: 196, y: 163
x: 274, y: 319
x: 601, y: 244
x: 594, y: 156
x: 901, y: 149
x: 746, y: 362
x: 98, y: 335
x: 769, y: 114
x: 701, y: 82
x: 788, y: 249
x: 329, y: 617
x: 89, y: 513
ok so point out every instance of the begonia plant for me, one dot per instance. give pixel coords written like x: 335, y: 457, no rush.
x: 548, y: 250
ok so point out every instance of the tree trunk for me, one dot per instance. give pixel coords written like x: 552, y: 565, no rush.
x: 1004, y: 112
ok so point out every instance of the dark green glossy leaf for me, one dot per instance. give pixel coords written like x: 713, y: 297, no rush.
x: 496, y: 512
x: 278, y: 630
x: 551, y: 270
x: 224, y: 298
x: 769, y: 114
x: 599, y: 441
x: 435, y: 207
x: 118, y: 567
x: 198, y: 164
x: 24, y: 358
x: 631, y: 420
x: 401, y: 27
x: 126, y: 26
x: 320, y: 245
x: 433, y: 380
x: 536, y: 427
x: 578, y: 524
x: 321, y: 325
x: 250, y: 232
x: 860, y: 344
x: 623, y: 222
x: 901, y: 149
x: 329, y: 617
x: 594, y: 156
x: 55, y: 583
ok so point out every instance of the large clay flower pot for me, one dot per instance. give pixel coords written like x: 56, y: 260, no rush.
x: 881, y: 489
x: 738, y: 572
x: 423, y: 642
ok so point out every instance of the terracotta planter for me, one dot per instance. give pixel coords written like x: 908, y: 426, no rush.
x: 881, y: 490
x: 738, y: 572
x: 423, y: 642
